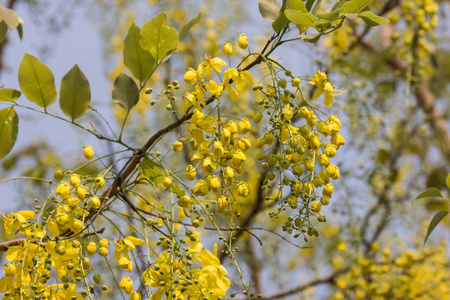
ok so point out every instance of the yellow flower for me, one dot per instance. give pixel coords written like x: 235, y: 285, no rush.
x: 229, y: 175
x: 167, y: 182
x: 333, y: 171
x: 295, y: 82
x: 240, y: 78
x: 244, y: 144
x: 244, y: 126
x: 213, y: 88
x: 190, y: 172
x: 95, y: 202
x: 15, y: 220
x: 316, y: 206
x: 125, y: 264
x: 218, y: 150
x: 243, y: 189
x: 75, y: 180
x: 213, y: 276
x: 242, y: 41
x: 227, y: 49
x: 226, y: 87
x: 9, y: 269
x: 81, y: 192
x: 177, y: 146
x: 123, y: 245
x: 63, y: 190
x: 135, y: 296
x: 126, y: 284
x: 208, y: 166
x: 191, y: 76
x: 88, y: 152
x: 213, y: 183
x: 329, y: 96
x: 337, y: 140
x: 99, y: 181
x: 320, y: 80
x: 330, y: 150
x: 201, y: 188
x: 209, y: 64
x: 222, y: 203
x: 328, y: 190
x: 184, y: 201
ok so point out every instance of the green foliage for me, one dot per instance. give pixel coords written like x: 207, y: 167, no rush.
x: 3, y: 31
x: 158, y: 37
x: 434, y: 222
x: 9, y: 94
x: 37, y: 82
x: 125, y: 91
x: 431, y: 192
x: 355, y: 6
x: 184, y: 31
x: 152, y: 170
x: 269, y: 9
x: 300, y: 18
x: 372, y: 19
x: 75, y: 94
x: 139, y: 61
x: 9, y: 126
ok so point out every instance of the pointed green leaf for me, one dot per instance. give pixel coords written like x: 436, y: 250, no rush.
x: 434, y: 222
x: 301, y: 18
x: 3, y: 31
x: 10, y: 17
x: 333, y: 15
x: 429, y: 193
x: 151, y: 170
x: 372, y: 19
x: 20, y: 31
x: 125, y: 91
x: 280, y: 23
x: 355, y: 6
x: 309, y: 4
x: 177, y: 190
x: 188, y: 26
x: 9, y: 95
x: 75, y: 95
x: 158, y: 37
x: 269, y: 9
x: 36, y: 81
x: 139, y: 61
x: 9, y: 126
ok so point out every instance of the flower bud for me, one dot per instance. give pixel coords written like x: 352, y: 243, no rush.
x: 213, y: 183
x: 99, y: 181
x: 242, y: 41
x: 328, y: 190
x: 58, y: 175
x: 292, y: 201
x: 74, y: 180
x: 257, y: 117
x: 103, y: 251
x: 295, y: 82
x: 88, y: 152
x: 333, y: 171
x: 91, y: 248
x: 243, y: 189
x: 191, y: 76
x: 201, y: 188
x: 229, y: 176
x: 227, y: 49
x: 167, y: 182
x: 95, y: 202
x: 244, y: 126
x: 316, y: 206
x: 218, y: 150
x: 184, y: 201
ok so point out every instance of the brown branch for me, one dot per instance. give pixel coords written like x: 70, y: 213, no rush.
x: 329, y: 279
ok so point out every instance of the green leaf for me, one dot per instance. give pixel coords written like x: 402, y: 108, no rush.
x: 9, y: 126
x: 9, y: 95
x: 36, y: 81
x: 434, y: 222
x: 158, y: 37
x: 309, y: 4
x: 10, y: 17
x: 431, y: 192
x: 151, y: 170
x: 333, y: 15
x: 3, y: 31
x: 269, y: 9
x: 297, y: 5
x: 280, y: 23
x: 125, y: 91
x: 301, y: 18
x: 178, y: 190
x: 139, y: 61
x: 311, y: 38
x: 20, y: 31
x: 355, y: 6
x: 75, y: 94
x: 372, y: 19
x: 188, y: 26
